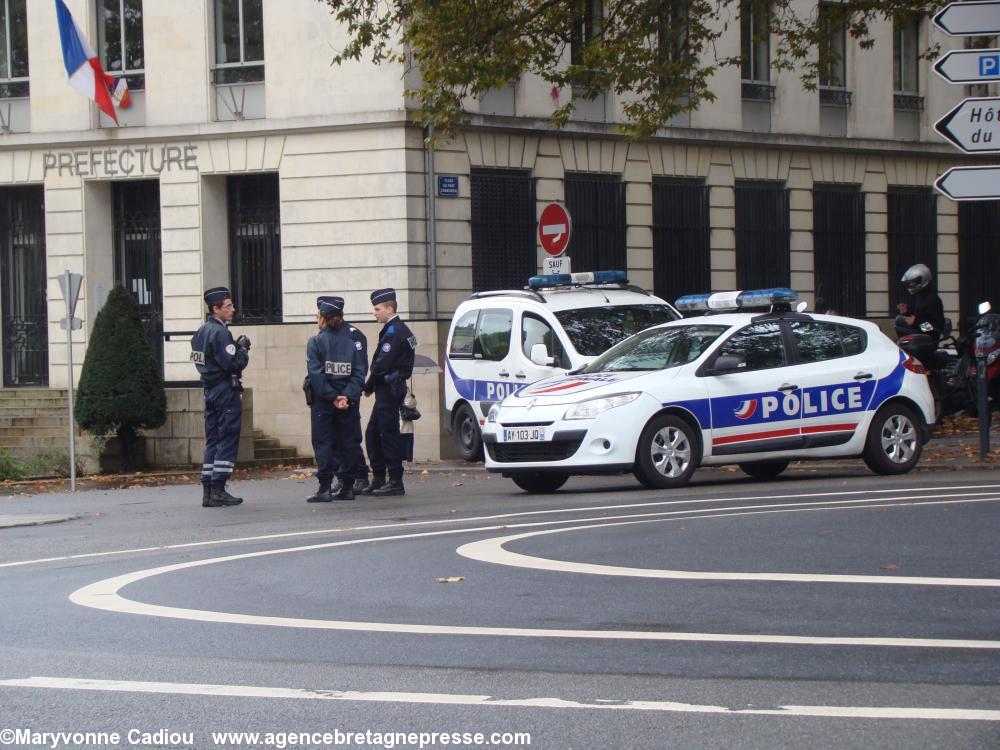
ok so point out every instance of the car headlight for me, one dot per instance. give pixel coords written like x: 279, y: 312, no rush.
x: 494, y: 410
x: 595, y: 406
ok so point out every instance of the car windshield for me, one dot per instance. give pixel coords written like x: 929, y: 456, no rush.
x: 658, y: 349
x: 594, y: 330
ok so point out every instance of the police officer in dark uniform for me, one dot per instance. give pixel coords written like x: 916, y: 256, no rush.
x: 220, y: 361
x: 392, y: 365
x: 337, y: 369
x: 360, y: 463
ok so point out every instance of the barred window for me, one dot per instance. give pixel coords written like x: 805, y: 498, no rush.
x: 503, y: 229
x: 255, y: 248
x: 596, y: 203
x: 763, y: 235
x: 681, y: 238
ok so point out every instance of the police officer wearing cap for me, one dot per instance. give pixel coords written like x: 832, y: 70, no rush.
x: 392, y: 365
x: 337, y: 370
x: 220, y: 361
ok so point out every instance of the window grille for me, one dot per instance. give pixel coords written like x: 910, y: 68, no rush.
x: 136, y: 207
x: 503, y: 229
x: 255, y: 248
x: 912, y: 236
x: 24, y: 284
x: 681, y: 238
x: 763, y: 237
x: 978, y: 239
x: 839, y: 248
x: 596, y: 204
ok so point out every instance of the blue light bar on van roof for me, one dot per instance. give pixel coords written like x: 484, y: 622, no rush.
x: 736, y: 300
x: 573, y: 279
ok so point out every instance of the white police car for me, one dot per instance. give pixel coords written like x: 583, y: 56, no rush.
x: 502, y: 341
x: 736, y: 387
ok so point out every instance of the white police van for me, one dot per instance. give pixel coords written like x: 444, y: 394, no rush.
x: 503, y: 341
x: 737, y: 387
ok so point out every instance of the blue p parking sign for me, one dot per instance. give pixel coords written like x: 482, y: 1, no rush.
x: 989, y: 65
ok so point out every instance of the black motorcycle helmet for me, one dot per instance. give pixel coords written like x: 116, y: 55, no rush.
x: 917, y: 278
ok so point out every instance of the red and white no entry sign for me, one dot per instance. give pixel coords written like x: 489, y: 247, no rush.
x: 554, y: 228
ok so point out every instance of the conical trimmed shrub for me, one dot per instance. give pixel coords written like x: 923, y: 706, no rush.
x: 121, y: 385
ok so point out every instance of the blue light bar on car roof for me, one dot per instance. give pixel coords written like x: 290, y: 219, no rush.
x: 572, y: 279
x: 736, y: 300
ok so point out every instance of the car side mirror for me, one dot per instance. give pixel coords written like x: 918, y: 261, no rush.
x: 728, y: 363
x: 540, y: 356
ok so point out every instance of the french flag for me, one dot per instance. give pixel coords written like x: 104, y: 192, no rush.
x: 84, y: 67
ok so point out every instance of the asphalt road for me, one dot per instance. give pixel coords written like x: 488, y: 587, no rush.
x: 830, y: 609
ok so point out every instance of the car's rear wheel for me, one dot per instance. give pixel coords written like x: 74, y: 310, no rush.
x: 764, y: 470
x: 893, y: 445
x: 547, y: 482
x: 668, y: 453
x: 468, y: 438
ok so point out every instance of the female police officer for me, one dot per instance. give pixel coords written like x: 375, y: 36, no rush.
x: 337, y: 370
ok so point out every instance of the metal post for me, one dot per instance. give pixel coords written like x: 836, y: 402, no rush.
x: 982, y: 385
x: 69, y: 390
x: 432, y: 278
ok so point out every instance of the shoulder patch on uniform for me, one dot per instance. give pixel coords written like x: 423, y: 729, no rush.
x: 352, y: 329
x: 413, y: 342
x: 390, y: 329
x: 386, y: 346
x: 231, y: 349
x: 357, y: 345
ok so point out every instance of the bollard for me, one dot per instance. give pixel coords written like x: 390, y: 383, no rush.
x: 982, y: 385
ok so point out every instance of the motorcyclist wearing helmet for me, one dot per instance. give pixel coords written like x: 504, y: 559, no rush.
x: 924, y: 307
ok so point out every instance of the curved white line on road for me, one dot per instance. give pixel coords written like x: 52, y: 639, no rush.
x: 459, y: 699
x: 105, y: 595
x: 492, y: 551
x: 498, y: 517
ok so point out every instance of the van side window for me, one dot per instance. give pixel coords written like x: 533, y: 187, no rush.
x: 534, y: 330
x: 463, y: 338
x: 493, y: 339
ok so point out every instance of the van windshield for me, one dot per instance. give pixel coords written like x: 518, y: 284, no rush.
x: 658, y: 349
x: 594, y: 330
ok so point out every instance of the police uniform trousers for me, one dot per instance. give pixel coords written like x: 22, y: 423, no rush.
x: 332, y: 433
x: 382, y: 437
x: 353, y: 446
x: 223, y: 419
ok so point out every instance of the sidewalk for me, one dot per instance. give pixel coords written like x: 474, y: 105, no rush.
x: 954, y: 448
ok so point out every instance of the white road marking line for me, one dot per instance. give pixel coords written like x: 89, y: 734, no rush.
x: 495, y: 517
x: 459, y: 699
x: 105, y: 595
x: 492, y: 551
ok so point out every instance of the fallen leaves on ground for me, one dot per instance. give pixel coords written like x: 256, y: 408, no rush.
x: 450, y: 579
x: 890, y: 567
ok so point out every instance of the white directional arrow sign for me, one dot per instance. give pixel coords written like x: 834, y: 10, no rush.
x: 969, y: 66
x: 973, y: 126
x: 970, y: 18
x: 970, y: 183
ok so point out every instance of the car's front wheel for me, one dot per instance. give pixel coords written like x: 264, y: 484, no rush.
x: 893, y: 445
x: 764, y: 470
x: 668, y: 453
x: 547, y: 482
x: 468, y: 438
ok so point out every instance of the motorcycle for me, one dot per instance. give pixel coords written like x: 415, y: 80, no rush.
x: 940, y: 358
x: 985, y: 335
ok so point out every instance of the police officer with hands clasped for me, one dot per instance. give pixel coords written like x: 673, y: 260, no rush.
x: 392, y: 365
x: 220, y: 361
x: 337, y: 369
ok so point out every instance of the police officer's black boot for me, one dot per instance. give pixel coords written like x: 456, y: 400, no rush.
x: 392, y: 487
x: 206, y: 497
x: 322, y: 495
x: 346, y: 491
x: 360, y: 485
x: 336, y: 486
x: 220, y: 496
x: 373, y: 485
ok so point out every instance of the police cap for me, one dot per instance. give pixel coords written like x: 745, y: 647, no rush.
x: 383, y: 295
x: 330, y: 305
x: 217, y: 295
